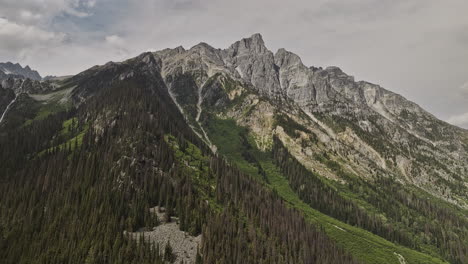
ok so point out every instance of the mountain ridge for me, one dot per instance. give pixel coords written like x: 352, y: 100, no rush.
x: 380, y: 175
x: 8, y: 69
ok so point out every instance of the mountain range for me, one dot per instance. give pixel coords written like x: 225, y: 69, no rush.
x: 9, y: 69
x: 229, y: 155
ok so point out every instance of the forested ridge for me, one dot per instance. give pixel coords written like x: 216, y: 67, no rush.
x: 410, y: 219
x: 72, y: 183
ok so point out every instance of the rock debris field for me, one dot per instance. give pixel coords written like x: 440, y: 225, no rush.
x: 184, y: 246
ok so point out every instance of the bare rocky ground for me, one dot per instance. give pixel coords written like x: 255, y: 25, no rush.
x: 184, y: 246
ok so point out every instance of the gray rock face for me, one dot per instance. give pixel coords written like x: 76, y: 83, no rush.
x: 9, y: 69
x: 296, y: 80
x: 255, y: 64
x: 375, y: 130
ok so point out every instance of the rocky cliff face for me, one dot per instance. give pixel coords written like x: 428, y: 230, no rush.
x: 255, y: 64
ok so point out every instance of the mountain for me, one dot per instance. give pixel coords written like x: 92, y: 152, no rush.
x: 229, y: 155
x: 9, y: 69
x: 374, y: 130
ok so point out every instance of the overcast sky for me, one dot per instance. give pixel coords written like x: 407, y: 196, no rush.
x: 418, y: 48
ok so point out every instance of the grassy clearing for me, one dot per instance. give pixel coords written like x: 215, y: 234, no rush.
x: 71, y: 135
x: 45, y: 110
x: 68, y: 126
x: 72, y: 143
x: 232, y: 142
x: 49, y: 104
x: 48, y: 109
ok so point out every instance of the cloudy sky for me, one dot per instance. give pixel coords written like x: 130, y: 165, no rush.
x: 418, y: 48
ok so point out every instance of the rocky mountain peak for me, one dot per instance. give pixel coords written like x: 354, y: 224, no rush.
x: 180, y: 49
x: 206, y: 53
x: 337, y: 72
x: 284, y: 57
x: 202, y: 46
x: 254, y: 63
x: 9, y: 69
x: 254, y: 44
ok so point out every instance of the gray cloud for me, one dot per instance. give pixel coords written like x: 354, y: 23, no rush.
x: 18, y: 38
x: 459, y: 120
x: 464, y: 88
x: 33, y: 11
x: 416, y: 48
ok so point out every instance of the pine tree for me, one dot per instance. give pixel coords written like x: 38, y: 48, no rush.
x: 168, y: 253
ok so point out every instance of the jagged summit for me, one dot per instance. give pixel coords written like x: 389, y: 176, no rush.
x: 285, y: 58
x: 256, y: 39
x: 9, y: 69
x: 245, y: 46
x: 202, y: 45
x: 283, y: 75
